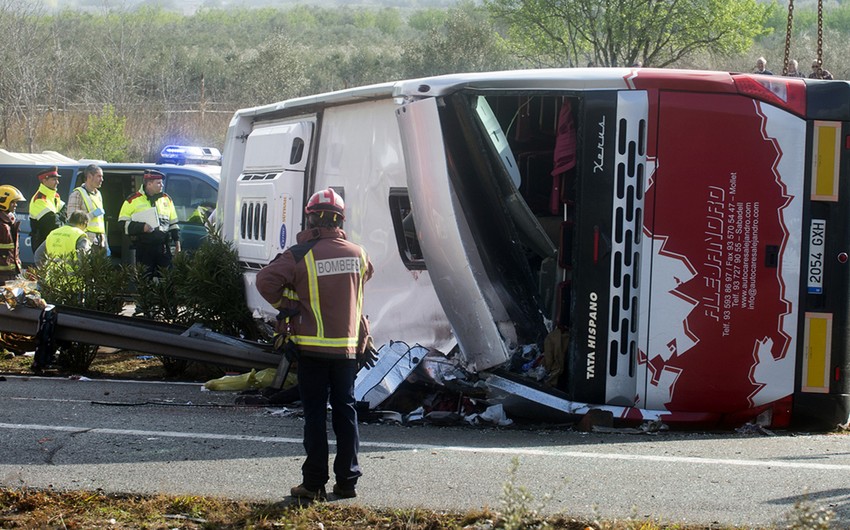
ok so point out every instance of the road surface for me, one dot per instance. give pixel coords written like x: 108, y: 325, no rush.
x: 145, y: 438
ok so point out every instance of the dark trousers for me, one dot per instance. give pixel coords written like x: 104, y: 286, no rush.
x: 153, y: 257
x: 318, y: 381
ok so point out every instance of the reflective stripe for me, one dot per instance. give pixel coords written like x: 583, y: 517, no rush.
x: 313, y: 286
x: 7, y: 246
x: 8, y: 267
x: 342, y: 342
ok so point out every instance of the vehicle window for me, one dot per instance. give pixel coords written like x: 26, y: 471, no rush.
x: 193, y: 198
x: 405, y: 230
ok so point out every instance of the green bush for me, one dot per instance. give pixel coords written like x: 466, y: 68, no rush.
x: 204, y: 286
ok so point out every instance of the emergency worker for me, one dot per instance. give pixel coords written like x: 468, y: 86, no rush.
x: 10, y: 260
x: 88, y: 199
x: 149, y: 218
x: 322, y: 278
x: 46, y: 208
x: 65, y: 242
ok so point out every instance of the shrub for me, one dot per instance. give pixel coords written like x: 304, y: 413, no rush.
x: 205, y: 287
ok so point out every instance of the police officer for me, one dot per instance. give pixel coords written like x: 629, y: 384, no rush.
x: 66, y: 241
x: 89, y: 200
x: 10, y: 261
x: 323, y: 276
x: 152, y: 231
x: 46, y: 212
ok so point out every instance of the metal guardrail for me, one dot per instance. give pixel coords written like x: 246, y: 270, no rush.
x: 137, y: 334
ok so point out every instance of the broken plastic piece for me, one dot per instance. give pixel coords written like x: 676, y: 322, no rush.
x: 396, y: 361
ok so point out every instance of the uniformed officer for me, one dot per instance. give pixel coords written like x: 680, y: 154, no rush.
x: 88, y: 199
x: 46, y: 208
x: 66, y: 242
x: 149, y: 218
x: 322, y: 277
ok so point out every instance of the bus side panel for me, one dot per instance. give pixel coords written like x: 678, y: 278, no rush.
x: 726, y: 254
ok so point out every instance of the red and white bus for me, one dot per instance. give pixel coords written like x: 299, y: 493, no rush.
x: 686, y: 231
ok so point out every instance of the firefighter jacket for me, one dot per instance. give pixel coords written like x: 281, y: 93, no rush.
x: 10, y: 261
x: 134, y: 208
x: 45, y: 214
x: 323, y: 274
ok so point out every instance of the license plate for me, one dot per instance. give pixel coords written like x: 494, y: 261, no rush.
x: 817, y: 236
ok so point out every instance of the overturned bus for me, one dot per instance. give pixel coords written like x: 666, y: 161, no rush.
x: 682, y: 232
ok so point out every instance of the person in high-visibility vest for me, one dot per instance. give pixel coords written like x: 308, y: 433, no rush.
x: 66, y: 242
x: 319, y: 282
x: 88, y: 199
x: 10, y: 260
x: 46, y: 208
x: 152, y: 231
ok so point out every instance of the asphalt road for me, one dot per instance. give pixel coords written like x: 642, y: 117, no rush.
x: 173, y: 438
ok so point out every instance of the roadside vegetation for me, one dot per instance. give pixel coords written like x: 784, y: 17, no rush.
x: 27, y: 508
x: 119, y: 81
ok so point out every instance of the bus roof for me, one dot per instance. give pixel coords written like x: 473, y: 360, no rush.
x: 45, y: 158
x: 539, y: 79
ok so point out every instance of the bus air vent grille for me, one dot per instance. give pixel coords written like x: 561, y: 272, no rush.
x: 627, y: 231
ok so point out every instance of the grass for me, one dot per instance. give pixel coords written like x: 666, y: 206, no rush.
x: 77, y: 509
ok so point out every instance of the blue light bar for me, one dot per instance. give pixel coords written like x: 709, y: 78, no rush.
x: 189, y: 154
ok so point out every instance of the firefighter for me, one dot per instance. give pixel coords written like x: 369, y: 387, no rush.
x: 149, y: 218
x: 46, y: 208
x: 66, y: 241
x: 322, y: 277
x: 10, y: 260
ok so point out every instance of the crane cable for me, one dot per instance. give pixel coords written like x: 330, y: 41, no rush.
x: 820, y: 33
x: 788, y: 35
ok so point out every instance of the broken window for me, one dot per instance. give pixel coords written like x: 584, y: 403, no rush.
x: 405, y: 229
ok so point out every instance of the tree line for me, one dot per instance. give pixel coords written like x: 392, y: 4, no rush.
x: 174, y: 78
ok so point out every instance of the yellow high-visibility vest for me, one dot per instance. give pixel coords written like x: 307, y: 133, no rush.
x: 93, y: 202
x: 63, y: 241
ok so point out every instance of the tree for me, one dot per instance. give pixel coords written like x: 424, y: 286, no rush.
x: 464, y: 41
x: 621, y: 32
x: 28, y: 67
x: 273, y: 72
x: 105, y: 137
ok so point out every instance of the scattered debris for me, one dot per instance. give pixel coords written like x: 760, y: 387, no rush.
x: 396, y: 361
x: 754, y: 428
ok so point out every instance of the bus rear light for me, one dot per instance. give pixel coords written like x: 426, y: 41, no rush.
x: 842, y: 257
x: 787, y: 93
x: 817, y: 352
x: 838, y: 373
x: 826, y: 161
x: 847, y: 142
